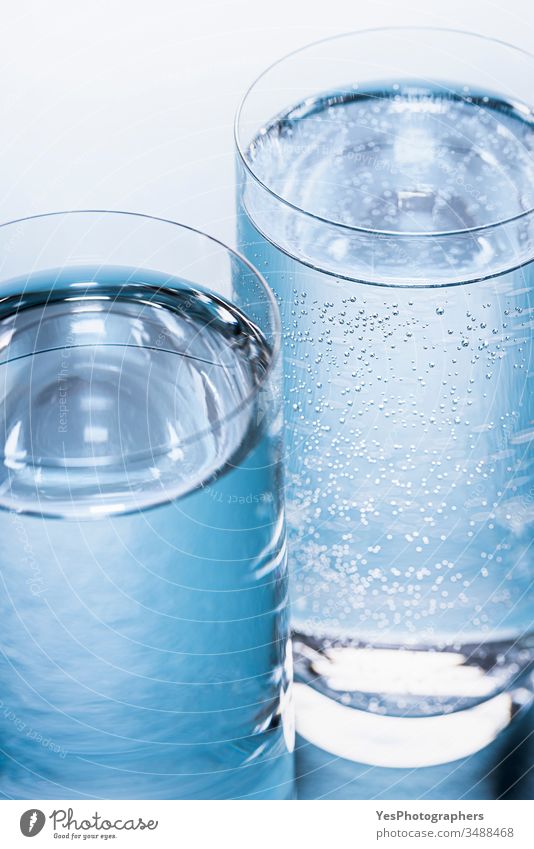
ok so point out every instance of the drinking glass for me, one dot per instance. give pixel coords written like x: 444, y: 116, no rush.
x: 386, y: 192
x: 143, y: 594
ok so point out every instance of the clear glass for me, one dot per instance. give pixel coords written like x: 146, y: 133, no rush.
x: 386, y: 192
x: 143, y: 601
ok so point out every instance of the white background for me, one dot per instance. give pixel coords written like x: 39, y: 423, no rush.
x: 246, y: 824
x: 130, y: 105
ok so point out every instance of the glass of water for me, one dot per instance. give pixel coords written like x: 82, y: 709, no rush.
x: 386, y: 191
x: 143, y: 594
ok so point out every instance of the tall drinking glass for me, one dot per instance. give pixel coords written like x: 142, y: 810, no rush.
x: 386, y: 191
x: 144, y: 632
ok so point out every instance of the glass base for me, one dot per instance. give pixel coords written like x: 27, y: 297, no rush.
x: 394, y: 707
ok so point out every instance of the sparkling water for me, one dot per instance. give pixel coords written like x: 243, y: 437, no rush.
x: 410, y: 409
x: 143, y: 585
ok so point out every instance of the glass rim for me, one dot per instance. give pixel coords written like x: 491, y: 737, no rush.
x: 242, y: 260
x: 370, y: 231
x: 274, y: 314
